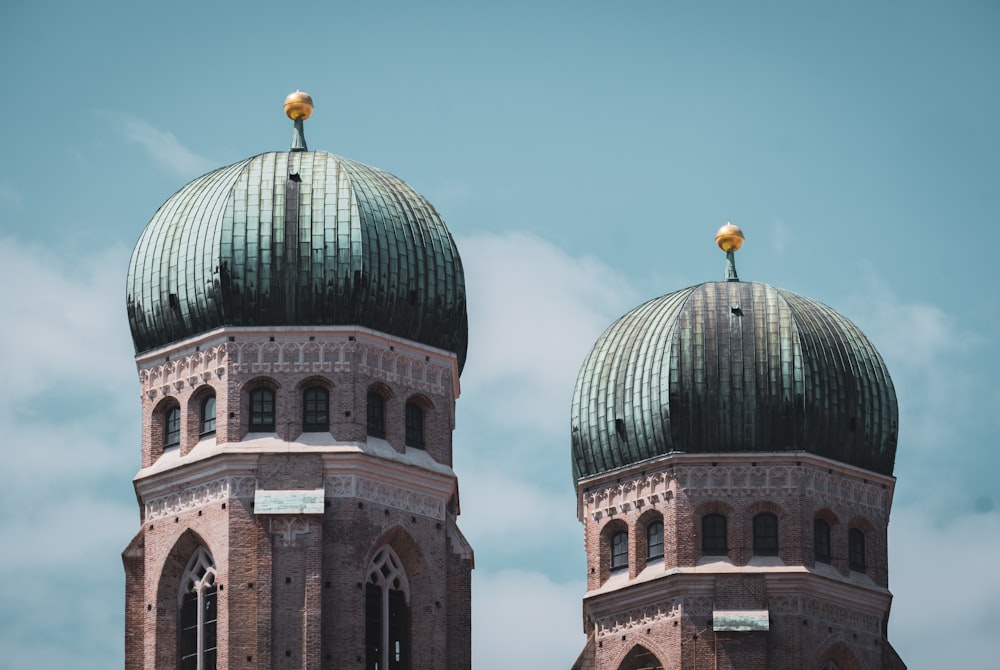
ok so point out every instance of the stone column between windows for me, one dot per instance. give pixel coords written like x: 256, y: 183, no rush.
x: 296, y: 602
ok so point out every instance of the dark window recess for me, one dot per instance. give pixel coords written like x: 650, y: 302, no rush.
x: 208, y: 415
x: 397, y: 623
x: 821, y: 540
x: 262, y: 411
x: 713, y: 535
x: 620, y: 428
x: 856, y: 550
x: 189, y: 630
x: 316, y: 410
x: 172, y: 427
x: 654, y: 540
x: 376, y: 414
x: 765, y: 535
x: 414, y: 425
x: 619, y: 551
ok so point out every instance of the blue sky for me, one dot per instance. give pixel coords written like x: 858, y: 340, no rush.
x: 583, y: 155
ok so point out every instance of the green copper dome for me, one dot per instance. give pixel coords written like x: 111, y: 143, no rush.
x: 733, y: 367
x: 299, y: 238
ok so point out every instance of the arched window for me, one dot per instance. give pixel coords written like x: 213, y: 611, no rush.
x: 765, y: 535
x: 654, y: 540
x: 414, y: 425
x: 387, y: 614
x: 172, y: 427
x: 619, y: 550
x: 315, y: 410
x: 262, y: 410
x: 821, y: 540
x: 856, y: 550
x: 376, y: 414
x: 208, y: 415
x: 713, y: 535
x: 198, y: 613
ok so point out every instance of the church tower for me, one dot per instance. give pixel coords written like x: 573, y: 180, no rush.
x: 733, y: 446
x: 299, y: 321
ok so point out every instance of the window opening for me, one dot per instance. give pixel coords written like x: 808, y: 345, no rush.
x: 619, y: 551
x: 208, y: 415
x: 414, y: 425
x: 198, y: 613
x: 713, y: 535
x: 856, y: 550
x: 315, y: 410
x: 376, y: 414
x: 172, y: 427
x: 654, y: 540
x: 262, y: 411
x: 765, y: 535
x: 821, y: 540
x: 387, y: 614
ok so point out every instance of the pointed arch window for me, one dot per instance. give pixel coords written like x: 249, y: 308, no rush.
x: 262, y: 410
x: 387, y: 614
x: 172, y: 427
x: 713, y: 535
x: 376, y: 414
x: 765, y: 535
x: 619, y: 550
x: 414, y: 425
x: 315, y: 410
x: 208, y: 415
x: 654, y: 540
x: 198, y: 602
x: 856, y: 550
x: 821, y: 541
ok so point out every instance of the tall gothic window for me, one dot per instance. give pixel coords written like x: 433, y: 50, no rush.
x: 654, y: 540
x: 856, y: 550
x: 619, y: 550
x: 376, y: 414
x: 262, y: 410
x: 172, y: 427
x: 765, y: 535
x: 387, y: 614
x: 208, y: 415
x: 198, y: 600
x: 821, y: 540
x: 713, y: 535
x: 315, y: 410
x: 414, y: 425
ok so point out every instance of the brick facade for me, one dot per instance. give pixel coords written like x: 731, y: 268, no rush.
x: 291, y: 586
x: 659, y: 612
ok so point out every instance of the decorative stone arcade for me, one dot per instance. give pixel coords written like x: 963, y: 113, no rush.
x: 300, y: 327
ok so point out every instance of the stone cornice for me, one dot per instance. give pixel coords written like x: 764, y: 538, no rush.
x: 328, y: 350
x: 843, y: 607
x: 397, y: 486
x: 718, y: 476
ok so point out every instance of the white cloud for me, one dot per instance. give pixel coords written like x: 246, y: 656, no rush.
x: 163, y: 146
x: 71, y: 323
x: 947, y: 595
x: 523, y: 619
x: 535, y: 312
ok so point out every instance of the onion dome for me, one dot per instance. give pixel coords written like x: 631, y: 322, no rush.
x: 733, y: 367
x: 297, y: 238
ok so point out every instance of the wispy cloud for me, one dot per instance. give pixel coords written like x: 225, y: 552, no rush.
x: 535, y: 313
x: 161, y: 145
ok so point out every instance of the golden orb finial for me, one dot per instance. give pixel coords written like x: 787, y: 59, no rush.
x: 298, y: 106
x: 729, y: 238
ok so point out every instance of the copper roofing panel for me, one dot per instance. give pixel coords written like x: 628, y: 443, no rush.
x: 297, y: 238
x: 732, y: 367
